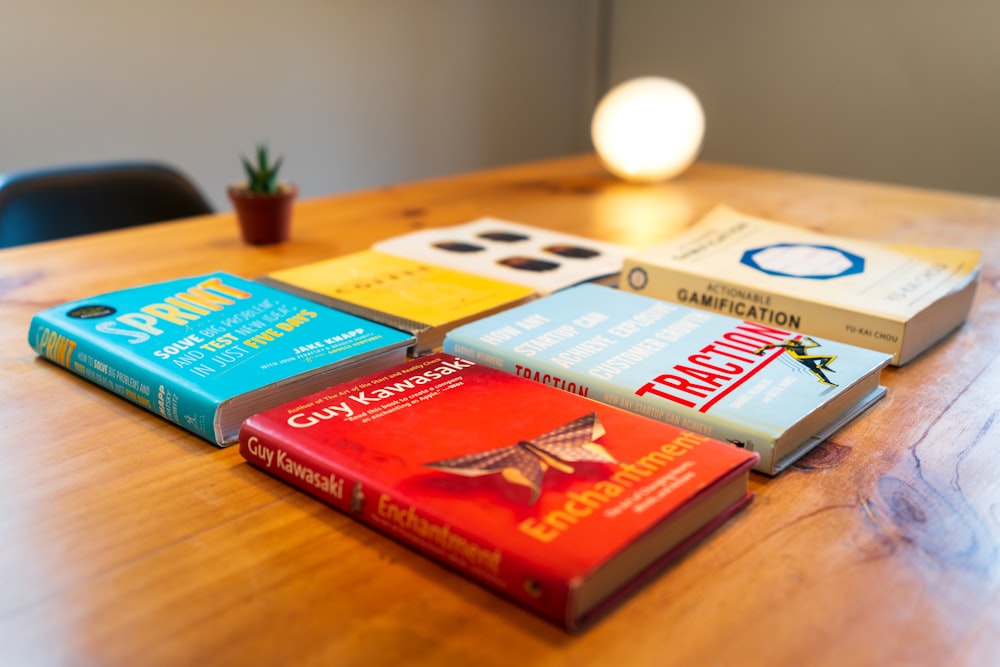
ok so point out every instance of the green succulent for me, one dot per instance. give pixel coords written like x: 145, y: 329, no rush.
x: 262, y: 177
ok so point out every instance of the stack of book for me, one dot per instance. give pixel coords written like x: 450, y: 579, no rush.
x: 477, y: 393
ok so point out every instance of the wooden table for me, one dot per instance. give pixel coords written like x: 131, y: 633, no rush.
x: 126, y: 541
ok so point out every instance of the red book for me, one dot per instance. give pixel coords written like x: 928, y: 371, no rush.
x: 558, y: 502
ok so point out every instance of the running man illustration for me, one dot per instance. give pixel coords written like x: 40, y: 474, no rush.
x: 816, y: 363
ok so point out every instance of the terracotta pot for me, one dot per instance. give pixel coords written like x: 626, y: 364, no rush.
x: 264, y: 218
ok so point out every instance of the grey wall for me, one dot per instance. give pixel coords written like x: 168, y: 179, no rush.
x: 354, y: 93
x: 361, y: 93
x: 904, y: 91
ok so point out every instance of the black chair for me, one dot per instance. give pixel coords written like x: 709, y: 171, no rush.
x: 55, y: 203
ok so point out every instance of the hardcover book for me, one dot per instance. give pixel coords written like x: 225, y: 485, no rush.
x: 764, y: 388
x: 205, y: 352
x: 893, y: 298
x: 423, y: 299
x: 542, y: 259
x: 561, y: 504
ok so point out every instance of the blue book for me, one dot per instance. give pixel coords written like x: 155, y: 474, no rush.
x: 208, y: 351
x: 776, y: 392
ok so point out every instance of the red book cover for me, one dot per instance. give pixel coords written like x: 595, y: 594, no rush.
x: 558, y: 502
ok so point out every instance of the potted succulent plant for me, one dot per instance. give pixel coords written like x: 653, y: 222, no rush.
x: 263, y: 204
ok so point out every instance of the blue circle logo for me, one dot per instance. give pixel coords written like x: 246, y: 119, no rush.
x: 803, y: 260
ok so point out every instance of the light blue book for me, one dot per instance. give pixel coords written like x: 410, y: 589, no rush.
x: 206, y: 352
x: 776, y: 392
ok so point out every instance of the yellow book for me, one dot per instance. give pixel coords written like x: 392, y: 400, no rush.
x: 422, y: 299
x: 891, y: 298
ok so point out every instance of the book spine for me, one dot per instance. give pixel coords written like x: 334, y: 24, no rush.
x: 125, y: 375
x: 613, y: 394
x: 403, y: 518
x: 863, y: 329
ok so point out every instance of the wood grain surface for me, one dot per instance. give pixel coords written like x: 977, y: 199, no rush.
x: 124, y: 540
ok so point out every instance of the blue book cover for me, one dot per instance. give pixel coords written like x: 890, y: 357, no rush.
x: 206, y: 352
x: 776, y: 392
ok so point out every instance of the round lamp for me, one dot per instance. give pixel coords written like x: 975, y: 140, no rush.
x: 648, y: 129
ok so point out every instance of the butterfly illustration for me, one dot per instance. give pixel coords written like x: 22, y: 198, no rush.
x: 525, y: 463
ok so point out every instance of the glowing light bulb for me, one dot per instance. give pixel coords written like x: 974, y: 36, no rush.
x: 648, y: 129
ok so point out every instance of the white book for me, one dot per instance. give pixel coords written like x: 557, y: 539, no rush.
x: 891, y: 298
x: 543, y: 259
